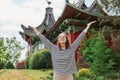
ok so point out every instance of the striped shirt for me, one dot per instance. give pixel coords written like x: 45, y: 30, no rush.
x: 63, y: 60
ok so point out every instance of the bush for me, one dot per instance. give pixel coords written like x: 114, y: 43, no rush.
x: 86, y: 74
x: 9, y: 65
x: 100, y: 78
x: 40, y: 59
x: 117, y: 61
x: 2, y: 65
x: 34, y: 61
x: 27, y: 62
x: 98, y: 55
x: 113, y: 76
x: 115, y: 46
x: 83, y: 73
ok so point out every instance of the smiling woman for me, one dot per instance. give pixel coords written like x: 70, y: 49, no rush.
x: 63, y: 58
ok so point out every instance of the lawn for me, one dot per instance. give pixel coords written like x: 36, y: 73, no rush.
x: 25, y: 74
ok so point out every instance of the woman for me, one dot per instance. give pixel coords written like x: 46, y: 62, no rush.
x: 63, y: 57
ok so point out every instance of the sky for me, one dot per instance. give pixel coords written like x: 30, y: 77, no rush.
x: 13, y: 13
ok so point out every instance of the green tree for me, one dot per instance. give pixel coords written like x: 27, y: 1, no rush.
x: 98, y: 55
x: 13, y: 49
x: 2, y: 53
x: 111, y: 5
x: 10, y: 50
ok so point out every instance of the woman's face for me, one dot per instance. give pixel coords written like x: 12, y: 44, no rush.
x: 62, y: 38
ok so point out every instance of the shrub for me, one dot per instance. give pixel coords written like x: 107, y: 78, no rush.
x: 40, y: 59
x: 113, y: 76
x: 100, y: 78
x: 27, y: 62
x: 98, y: 55
x: 115, y: 46
x: 2, y: 65
x: 84, y: 72
x: 34, y: 61
x: 117, y: 61
x: 9, y: 65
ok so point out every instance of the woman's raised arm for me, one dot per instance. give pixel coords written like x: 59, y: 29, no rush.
x: 48, y: 43
x: 76, y: 43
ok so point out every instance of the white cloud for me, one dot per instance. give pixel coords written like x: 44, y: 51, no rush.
x: 31, y: 12
x: 18, y: 15
x: 11, y: 27
x: 0, y: 24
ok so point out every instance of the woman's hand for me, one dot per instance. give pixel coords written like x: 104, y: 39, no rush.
x: 89, y: 25
x: 34, y: 29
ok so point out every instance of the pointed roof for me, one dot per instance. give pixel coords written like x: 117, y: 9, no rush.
x: 81, y: 12
x: 72, y: 12
x: 47, y: 23
x: 94, y: 9
x: 75, y: 15
x: 78, y: 11
x: 80, y: 4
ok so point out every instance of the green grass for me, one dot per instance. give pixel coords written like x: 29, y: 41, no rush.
x: 25, y: 74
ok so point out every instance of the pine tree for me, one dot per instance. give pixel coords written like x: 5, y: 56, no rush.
x: 98, y: 55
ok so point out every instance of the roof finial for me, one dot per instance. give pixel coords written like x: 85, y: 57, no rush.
x: 48, y: 3
x: 67, y: 1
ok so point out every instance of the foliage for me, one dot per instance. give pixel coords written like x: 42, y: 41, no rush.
x: 117, y: 61
x: 98, y: 55
x: 100, y: 78
x: 115, y: 46
x: 109, y: 21
x: 10, y: 50
x: 9, y: 65
x: 13, y: 49
x: 2, y: 64
x: 40, y: 59
x: 86, y: 74
x: 111, y: 5
x: 113, y: 76
x: 27, y: 61
x: 113, y: 37
x: 83, y: 73
x: 2, y: 53
x: 34, y: 61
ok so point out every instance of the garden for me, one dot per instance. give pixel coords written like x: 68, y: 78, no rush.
x: 98, y: 55
x: 101, y: 54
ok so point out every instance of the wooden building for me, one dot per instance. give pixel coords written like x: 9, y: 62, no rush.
x: 73, y: 20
